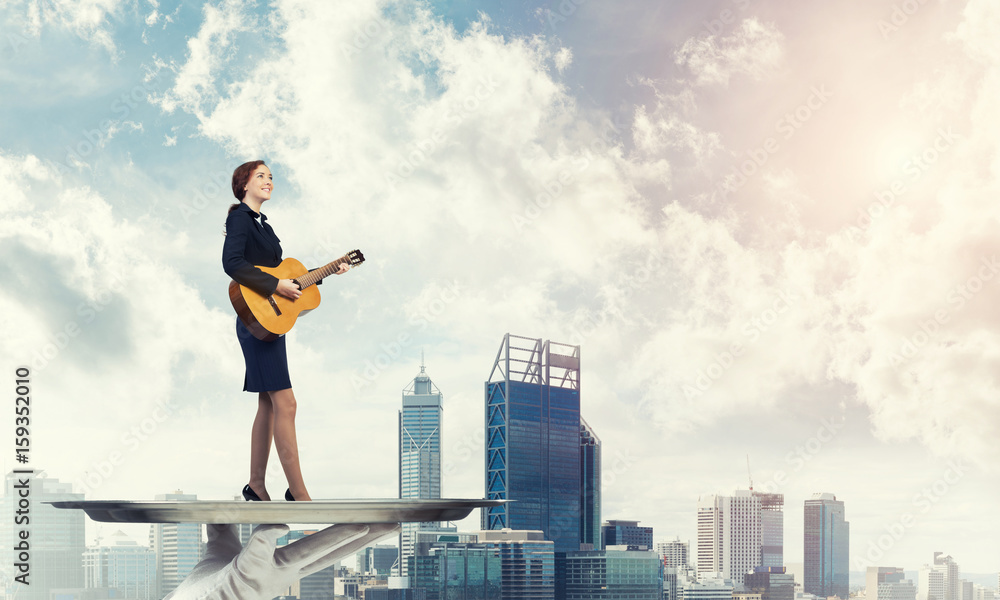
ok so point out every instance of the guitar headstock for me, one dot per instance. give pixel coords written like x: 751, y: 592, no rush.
x: 355, y: 257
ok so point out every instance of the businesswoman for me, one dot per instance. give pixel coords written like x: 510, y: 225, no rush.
x: 251, y: 241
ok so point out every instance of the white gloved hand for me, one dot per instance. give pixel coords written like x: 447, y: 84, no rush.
x: 260, y: 571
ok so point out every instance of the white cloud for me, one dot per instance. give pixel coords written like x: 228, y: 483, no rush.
x: 207, y: 54
x: 89, y: 19
x: 563, y: 58
x: 469, y: 140
x: 755, y: 49
x: 666, y: 128
x: 107, y: 319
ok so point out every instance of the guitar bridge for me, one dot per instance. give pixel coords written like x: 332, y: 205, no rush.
x: 274, y: 305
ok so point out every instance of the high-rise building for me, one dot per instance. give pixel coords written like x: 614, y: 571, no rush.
x: 177, y: 547
x: 377, y: 560
x: 949, y: 568
x: 772, y: 583
x: 772, y: 529
x: 56, y: 536
x: 931, y: 583
x: 613, y: 575
x: 674, y: 553
x: 626, y: 533
x: 458, y: 571
x: 590, y: 488
x: 533, y: 440
x: 888, y: 583
x: 123, y: 565
x: 826, y: 545
x: 527, y: 563
x: 940, y: 580
x: 419, y: 452
x: 729, y: 535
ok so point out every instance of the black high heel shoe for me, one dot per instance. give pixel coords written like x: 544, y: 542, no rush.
x: 288, y: 496
x: 249, y: 494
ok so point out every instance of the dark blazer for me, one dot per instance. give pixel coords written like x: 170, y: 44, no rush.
x: 250, y: 241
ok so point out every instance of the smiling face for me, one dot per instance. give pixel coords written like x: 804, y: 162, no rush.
x: 259, y: 186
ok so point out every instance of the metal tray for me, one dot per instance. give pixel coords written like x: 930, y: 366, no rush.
x: 317, y: 511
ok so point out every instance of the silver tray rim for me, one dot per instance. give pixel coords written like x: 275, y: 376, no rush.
x: 355, y: 510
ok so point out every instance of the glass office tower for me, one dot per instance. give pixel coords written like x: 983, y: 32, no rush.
x: 772, y: 529
x: 533, y: 440
x: 590, y: 488
x: 826, y: 543
x: 419, y: 453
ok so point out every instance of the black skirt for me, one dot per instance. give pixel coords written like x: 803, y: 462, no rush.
x: 266, y: 362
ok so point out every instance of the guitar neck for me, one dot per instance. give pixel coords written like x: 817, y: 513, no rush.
x: 317, y: 275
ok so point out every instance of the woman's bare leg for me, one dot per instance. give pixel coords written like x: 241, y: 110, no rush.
x: 283, y: 404
x: 260, y: 444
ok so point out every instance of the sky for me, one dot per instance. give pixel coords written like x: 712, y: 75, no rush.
x: 770, y: 227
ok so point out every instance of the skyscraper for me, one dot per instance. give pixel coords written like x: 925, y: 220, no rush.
x: 826, y: 544
x: 177, y: 547
x: 940, y: 581
x: 533, y: 440
x: 729, y: 535
x: 772, y: 529
x: 949, y: 568
x: 56, y: 537
x: 590, y: 488
x: 419, y: 452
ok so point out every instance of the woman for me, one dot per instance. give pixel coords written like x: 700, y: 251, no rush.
x: 251, y: 241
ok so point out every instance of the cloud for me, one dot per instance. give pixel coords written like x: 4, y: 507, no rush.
x: 102, y: 315
x: 91, y: 20
x: 666, y: 128
x: 470, y: 141
x: 755, y: 49
x: 207, y: 53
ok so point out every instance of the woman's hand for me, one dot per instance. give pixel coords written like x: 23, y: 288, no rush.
x: 288, y: 288
x: 343, y: 268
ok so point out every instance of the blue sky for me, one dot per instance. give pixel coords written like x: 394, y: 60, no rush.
x: 755, y: 219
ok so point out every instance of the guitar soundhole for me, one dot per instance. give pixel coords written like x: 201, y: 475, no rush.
x: 274, y: 305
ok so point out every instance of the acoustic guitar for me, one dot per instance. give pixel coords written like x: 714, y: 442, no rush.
x: 268, y: 317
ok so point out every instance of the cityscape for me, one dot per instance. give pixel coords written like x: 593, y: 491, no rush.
x: 551, y: 542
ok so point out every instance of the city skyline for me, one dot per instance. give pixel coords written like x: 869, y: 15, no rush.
x: 769, y: 226
x: 946, y: 583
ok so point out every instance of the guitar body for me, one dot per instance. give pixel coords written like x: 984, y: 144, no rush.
x: 268, y: 317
